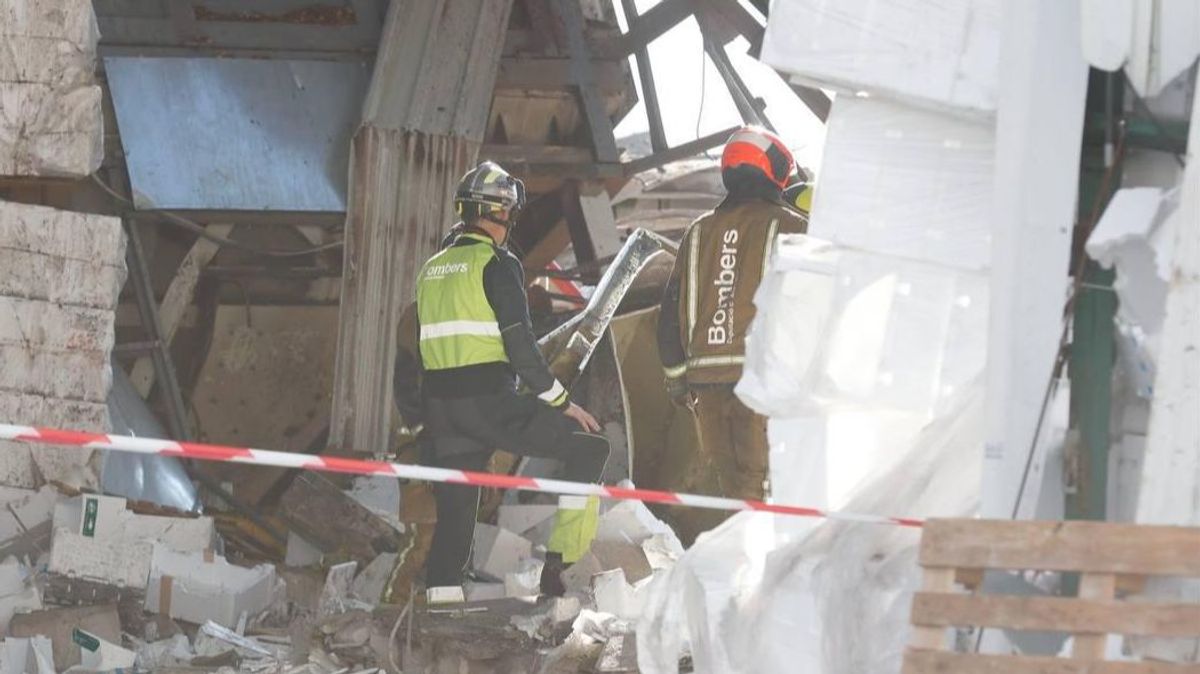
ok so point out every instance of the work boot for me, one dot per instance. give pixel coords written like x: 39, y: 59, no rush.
x: 551, y: 584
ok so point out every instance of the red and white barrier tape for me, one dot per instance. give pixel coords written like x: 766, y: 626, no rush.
x: 335, y: 464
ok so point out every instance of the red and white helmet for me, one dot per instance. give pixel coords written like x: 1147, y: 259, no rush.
x: 761, y: 149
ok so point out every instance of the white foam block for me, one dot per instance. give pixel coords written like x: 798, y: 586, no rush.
x: 187, y: 586
x: 498, y: 552
x: 936, y: 53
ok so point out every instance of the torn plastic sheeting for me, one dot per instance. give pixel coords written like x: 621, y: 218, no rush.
x: 936, y: 53
x: 140, y: 477
x: 837, y: 325
x: 1136, y: 236
x: 832, y: 599
x: 1170, y: 479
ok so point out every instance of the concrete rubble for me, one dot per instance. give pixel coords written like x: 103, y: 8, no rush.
x: 90, y: 582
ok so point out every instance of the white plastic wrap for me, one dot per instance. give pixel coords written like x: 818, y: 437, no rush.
x: 907, y: 182
x: 935, y: 53
x: 1170, y: 487
x: 839, y: 326
x: 754, y: 597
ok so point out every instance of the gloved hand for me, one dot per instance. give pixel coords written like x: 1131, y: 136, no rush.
x: 681, y: 397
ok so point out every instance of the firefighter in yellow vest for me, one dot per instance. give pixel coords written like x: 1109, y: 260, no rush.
x: 475, y: 341
x: 707, y: 308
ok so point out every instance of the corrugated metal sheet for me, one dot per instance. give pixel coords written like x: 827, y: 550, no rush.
x: 423, y: 123
x: 404, y: 182
x: 237, y: 134
x: 437, y: 66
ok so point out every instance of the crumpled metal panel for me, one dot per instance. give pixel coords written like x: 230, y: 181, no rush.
x: 237, y: 134
x: 569, y: 347
x: 142, y: 477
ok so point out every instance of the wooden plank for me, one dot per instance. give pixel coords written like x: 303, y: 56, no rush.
x: 925, y: 636
x: 1090, y: 644
x: 972, y: 579
x: 177, y: 299
x: 535, y: 154
x: 521, y: 72
x: 1059, y: 614
x: 1096, y: 547
x: 930, y: 662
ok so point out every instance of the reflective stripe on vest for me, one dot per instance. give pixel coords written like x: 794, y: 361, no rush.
x: 458, y: 325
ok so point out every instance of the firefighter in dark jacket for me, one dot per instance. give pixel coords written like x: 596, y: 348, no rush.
x: 706, y: 309
x: 475, y: 340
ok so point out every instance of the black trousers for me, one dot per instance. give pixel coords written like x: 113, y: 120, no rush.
x: 463, y: 433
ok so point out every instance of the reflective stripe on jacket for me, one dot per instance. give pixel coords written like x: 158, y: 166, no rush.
x: 458, y: 325
x: 709, y: 302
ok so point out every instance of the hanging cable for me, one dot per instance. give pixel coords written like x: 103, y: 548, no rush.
x: 199, y: 230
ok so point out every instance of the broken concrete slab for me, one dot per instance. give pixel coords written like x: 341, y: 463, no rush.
x: 371, y: 583
x: 301, y: 553
x: 64, y: 591
x: 498, y: 552
x: 59, y: 625
x: 25, y: 517
x: 336, y: 596
x: 606, y: 556
x: 18, y: 594
x: 526, y: 581
x: 614, y: 595
x: 200, y: 586
x: 631, y: 522
x: 335, y: 522
x: 619, y: 655
x: 164, y: 653
x: 97, y: 538
x: 520, y: 518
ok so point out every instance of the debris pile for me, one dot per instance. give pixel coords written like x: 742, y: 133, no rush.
x: 98, y: 583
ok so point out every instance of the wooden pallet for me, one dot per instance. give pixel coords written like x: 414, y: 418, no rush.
x: 1110, y: 559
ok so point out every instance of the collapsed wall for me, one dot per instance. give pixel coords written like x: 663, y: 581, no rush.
x: 60, y: 276
x: 50, y: 113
